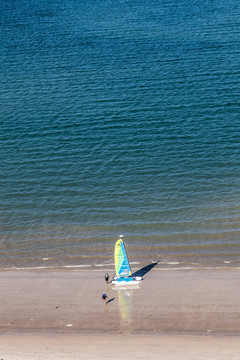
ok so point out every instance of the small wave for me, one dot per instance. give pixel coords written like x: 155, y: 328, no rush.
x: 103, y: 265
x: 30, y: 268
x: 76, y: 266
x: 46, y: 267
x: 170, y: 262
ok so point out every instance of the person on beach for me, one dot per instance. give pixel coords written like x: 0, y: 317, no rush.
x: 104, y: 297
x: 106, y: 278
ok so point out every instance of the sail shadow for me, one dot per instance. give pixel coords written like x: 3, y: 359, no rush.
x: 143, y: 271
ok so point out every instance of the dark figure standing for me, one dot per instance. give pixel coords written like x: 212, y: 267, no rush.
x: 104, y: 297
x: 106, y: 278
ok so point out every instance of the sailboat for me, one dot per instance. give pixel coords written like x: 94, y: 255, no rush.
x: 123, y: 271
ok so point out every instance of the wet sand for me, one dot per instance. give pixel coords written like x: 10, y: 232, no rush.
x: 193, y: 314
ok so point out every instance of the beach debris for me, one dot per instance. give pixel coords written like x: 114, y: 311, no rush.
x: 106, y: 277
x: 104, y: 297
x: 69, y: 325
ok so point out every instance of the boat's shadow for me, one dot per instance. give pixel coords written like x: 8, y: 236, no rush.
x: 143, y: 271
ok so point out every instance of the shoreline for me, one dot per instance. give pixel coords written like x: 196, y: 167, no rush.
x: 103, y: 267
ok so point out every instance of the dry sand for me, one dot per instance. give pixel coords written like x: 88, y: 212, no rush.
x: 113, y: 347
x: 175, y: 314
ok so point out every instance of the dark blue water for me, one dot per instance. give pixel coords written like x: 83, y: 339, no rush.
x: 119, y: 117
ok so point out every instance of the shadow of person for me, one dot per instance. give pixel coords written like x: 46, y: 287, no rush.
x: 110, y: 300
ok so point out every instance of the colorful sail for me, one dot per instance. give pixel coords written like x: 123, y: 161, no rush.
x: 121, y: 261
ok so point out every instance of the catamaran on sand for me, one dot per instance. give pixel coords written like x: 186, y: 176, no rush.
x: 123, y: 271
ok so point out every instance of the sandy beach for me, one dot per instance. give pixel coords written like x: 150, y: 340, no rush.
x: 174, y: 314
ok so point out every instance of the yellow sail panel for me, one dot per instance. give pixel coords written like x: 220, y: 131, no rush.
x: 122, y: 266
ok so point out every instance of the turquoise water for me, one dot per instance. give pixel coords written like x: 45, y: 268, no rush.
x: 119, y: 118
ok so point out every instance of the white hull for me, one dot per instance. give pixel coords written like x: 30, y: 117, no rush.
x: 125, y: 283
x: 134, y: 282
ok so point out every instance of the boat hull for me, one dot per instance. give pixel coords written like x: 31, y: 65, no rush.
x: 126, y: 281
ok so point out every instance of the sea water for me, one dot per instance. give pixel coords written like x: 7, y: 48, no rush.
x: 119, y: 117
